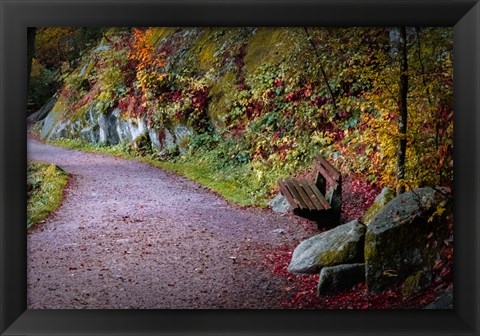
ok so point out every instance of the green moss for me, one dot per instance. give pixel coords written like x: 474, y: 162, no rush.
x: 206, y: 53
x: 283, y: 47
x: 329, y: 258
x: 376, y: 206
x: 414, y: 284
x: 221, y: 98
x: 79, y: 113
x: 372, y: 211
x: 267, y: 45
x: 45, y: 190
x: 370, y: 250
x: 158, y: 34
x: 184, y: 142
x: 202, y: 51
x: 60, y: 106
x: 338, y: 256
x: 112, y: 32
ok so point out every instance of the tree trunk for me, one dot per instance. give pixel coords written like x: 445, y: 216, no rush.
x: 402, y: 105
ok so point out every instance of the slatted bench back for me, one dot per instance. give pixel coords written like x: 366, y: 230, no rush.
x: 302, y: 194
x: 326, y: 173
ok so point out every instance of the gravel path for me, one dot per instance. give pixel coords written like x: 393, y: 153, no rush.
x: 129, y: 235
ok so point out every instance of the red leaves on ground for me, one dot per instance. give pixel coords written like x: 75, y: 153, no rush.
x: 357, y: 198
x: 304, y: 290
x: 358, y: 195
x: 304, y: 286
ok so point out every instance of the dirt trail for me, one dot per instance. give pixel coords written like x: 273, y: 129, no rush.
x: 129, y: 235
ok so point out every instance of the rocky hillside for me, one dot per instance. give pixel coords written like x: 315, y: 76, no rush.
x: 263, y: 99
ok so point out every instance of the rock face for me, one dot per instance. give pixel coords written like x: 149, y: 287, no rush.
x: 43, y: 111
x: 112, y: 129
x: 339, y: 278
x: 402, y: 239
x: 341, y: 245
x: 385, y: 196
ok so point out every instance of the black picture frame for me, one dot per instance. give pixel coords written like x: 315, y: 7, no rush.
x: 17, y: 15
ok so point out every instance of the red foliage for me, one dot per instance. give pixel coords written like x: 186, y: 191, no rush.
x: 301, y: 93
x: 319, y: 101
x: 130, y: 73
x: 86, y: 99
x: 132, y: 105
x: 304, y: 288
x: 278, y: 82
x: 358, y: 195
x: 177, y: 96
x: 254, y: 108
x: 200, y: 98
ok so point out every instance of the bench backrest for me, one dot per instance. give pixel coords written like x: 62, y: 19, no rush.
x: 326, y: 173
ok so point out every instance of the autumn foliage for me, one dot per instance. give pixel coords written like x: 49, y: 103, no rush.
x: 268, y: 99
x: 149, y: 65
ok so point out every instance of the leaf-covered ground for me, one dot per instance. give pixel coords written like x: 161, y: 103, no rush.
x: 357, y: 196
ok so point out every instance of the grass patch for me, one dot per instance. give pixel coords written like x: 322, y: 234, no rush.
x: 45, y: 183
x: 244, y: 184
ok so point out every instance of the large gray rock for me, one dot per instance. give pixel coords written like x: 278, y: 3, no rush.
x: 385, y: 196
x: 279, y: 204
x: 43, y: 111
x: 154, y: 136
x: 60, y: 130
x: 123, y: 131
x: 90, y: 134
x: 108, y: 128
x: 168, y: 139
x: 403, y: 239
x: 336, y: 279
x: 341, y: 245
x: 48, y: 124
x: 182, y: 136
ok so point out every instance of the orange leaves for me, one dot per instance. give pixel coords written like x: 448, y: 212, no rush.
x: 144, y: 53
x: 149, y: 64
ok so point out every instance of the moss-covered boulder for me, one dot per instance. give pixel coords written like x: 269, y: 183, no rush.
x: 403, y: 238
x: 415, y: 283
x: 336, y: 279
x: 385, y: 196
x: 341, y: 245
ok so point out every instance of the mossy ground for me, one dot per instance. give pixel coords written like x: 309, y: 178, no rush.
x: 45, y: 190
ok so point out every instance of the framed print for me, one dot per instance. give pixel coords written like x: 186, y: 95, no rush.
x: 29, y: 309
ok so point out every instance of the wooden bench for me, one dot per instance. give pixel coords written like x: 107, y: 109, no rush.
x: 311, y: 199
